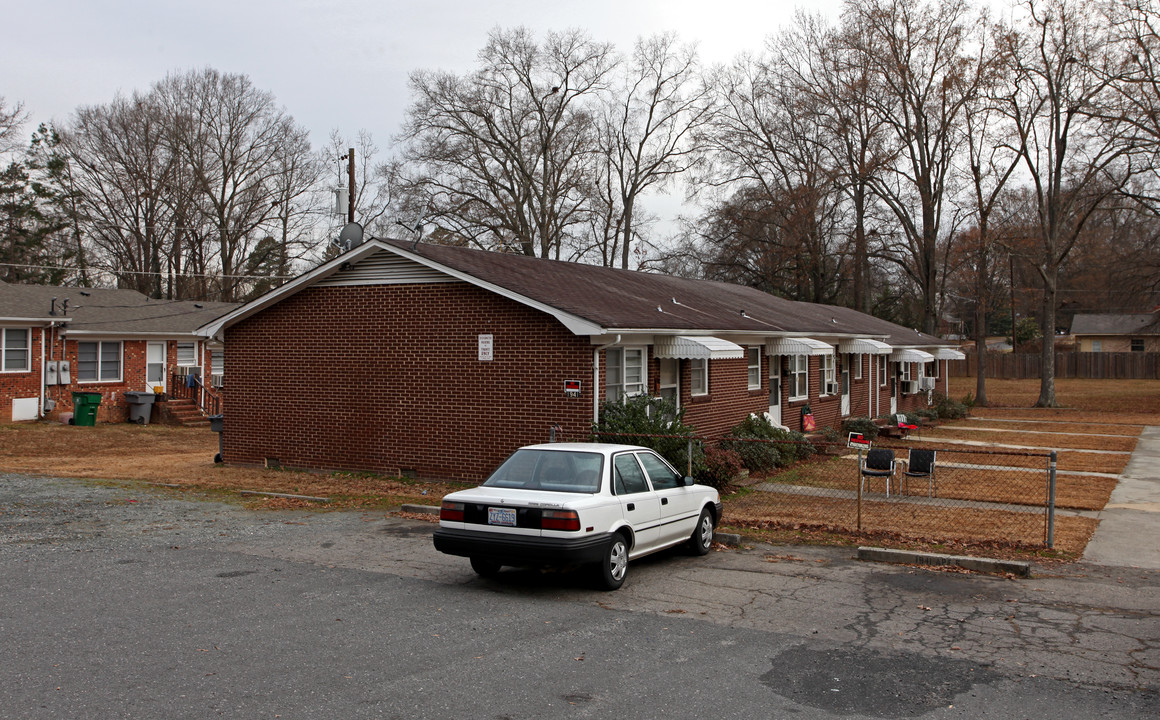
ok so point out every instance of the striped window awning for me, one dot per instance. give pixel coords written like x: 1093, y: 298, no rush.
x: 864, y: 346
x: 945, y: 353
x: 910, y: 355
x: 696, y: 348
x: 797, y: 346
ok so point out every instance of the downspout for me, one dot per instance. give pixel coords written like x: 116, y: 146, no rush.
x: 596, y: 377
x: 870, y: 391
x: 42, y: 361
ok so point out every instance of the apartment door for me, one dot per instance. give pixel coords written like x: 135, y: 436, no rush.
x: 775, y: 388
x: 155, y: 371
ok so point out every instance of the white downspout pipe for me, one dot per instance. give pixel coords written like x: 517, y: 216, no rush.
x: 596, y: 377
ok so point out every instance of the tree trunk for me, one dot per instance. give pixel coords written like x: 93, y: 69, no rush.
x: 1047, y: 328
x: 981, y: 328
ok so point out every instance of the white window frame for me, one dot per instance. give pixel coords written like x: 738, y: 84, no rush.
x: 753, y: 354
x: 101, y: 361
x: 828, y: 362
x: 5, y: 350
x: 856, y: 358
x: 883, y: 370
x: 906, y: 375
x: 698, y: 368
x: 799, y: 368
x: 620, y: 388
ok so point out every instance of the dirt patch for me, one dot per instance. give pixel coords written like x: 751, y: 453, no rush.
x: 184, y: 457
x: 1013, y: 436
x: 1049, y: 427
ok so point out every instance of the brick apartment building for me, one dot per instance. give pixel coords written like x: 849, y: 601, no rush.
x: 441, y: 360
x: 57, y: 340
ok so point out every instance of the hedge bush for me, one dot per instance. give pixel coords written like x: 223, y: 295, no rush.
x: 718, y: 466
x: 948, y: 408
x: 759, y: 456
x: 638, y: 418
x: 864, y: 425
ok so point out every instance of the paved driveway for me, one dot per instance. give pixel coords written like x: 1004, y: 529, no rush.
x: 123, y: 602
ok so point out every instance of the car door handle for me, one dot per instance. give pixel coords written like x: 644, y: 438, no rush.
x: 664, y: 501
x: 632, y: 506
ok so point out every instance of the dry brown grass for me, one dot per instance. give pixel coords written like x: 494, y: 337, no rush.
x: 184, y: 457
x: 1049, y: 427
x: 1015, y: 436
x: 1122, y: 401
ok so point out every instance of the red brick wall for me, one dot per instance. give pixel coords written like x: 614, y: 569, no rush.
x: 387, y: 378
x: 729, y: 400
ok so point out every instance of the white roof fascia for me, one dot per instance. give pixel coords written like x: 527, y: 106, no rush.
x: 169, y: 334
x: 578, y: 325
x: 33, y: 320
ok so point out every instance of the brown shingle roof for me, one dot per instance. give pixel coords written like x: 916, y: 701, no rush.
x: 1116, y: 324
x: 628, y: 300
x: 108, y: 311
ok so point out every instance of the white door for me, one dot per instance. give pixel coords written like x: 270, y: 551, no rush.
x: 775, y: 388
x: 155, y: 366
x: 846, y: 391
x: 640, y: 505
x: 678, y: 503
x: 894, y: 391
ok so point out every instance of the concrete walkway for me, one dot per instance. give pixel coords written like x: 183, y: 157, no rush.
x: 1129, y: 530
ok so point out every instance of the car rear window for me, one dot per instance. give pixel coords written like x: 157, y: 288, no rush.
x: 552, y: 470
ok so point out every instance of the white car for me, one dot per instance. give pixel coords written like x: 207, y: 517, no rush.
x: 578, y: 503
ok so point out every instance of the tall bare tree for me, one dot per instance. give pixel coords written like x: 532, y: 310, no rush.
x: 920, y: 51
x: 498, y: 156
x: 1062, y: 63
x: 648, y: 130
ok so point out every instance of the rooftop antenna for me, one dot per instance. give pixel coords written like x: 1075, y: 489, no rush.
x: 419, y: 229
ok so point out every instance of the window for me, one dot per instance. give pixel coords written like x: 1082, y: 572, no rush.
x: 699, y: 377
x: 931, y: 369
x: 1137, y: 344
x: 668, y: 386
x: 14, y: 353
x: 754, y: 355
x: 857, y: 360
x: 829, y: 386
x: 662, y: 476
x: 882, y: 370
x: 624, y: 373
x: 627, y: 477
x: 1097, y: 346
x: 799, y: 377
x: 187, y: 354
x: 98, y: 361
x: 905, y: 371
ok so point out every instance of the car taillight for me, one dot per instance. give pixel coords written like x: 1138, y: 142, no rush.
x: 452, y: 511
x: 559, y: 520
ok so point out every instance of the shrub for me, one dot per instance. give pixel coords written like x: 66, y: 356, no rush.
x: 779, y: 448
x: 638, y: 418
x: 831, y: 434
x: 948, y: 408
x: 927, y: 413
x: 864, y: 425
x: 718, y: 466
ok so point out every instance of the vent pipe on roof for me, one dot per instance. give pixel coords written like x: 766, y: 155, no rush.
x: 52, y: 307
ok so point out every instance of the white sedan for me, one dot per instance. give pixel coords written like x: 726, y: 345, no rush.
x: 578, y: 503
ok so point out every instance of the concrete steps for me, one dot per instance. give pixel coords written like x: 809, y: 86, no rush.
x: 182, y: 412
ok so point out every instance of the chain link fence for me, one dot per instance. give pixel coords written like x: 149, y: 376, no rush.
x: 969, y: 497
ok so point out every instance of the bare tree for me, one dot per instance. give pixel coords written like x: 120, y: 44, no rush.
x: 764, y: 149
x: 1062, y: 61
x: 648, y: 130
x: 991, y: 160
x: 123, y: 172
x: 12, y: 119
x: 235, y: 142
x: 498, y: 156
x: 919, y: 50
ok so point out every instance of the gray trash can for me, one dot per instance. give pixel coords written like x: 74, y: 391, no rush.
x: 140, y: 406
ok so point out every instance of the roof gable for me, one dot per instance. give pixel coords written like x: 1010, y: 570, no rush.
x: 1116, y: 324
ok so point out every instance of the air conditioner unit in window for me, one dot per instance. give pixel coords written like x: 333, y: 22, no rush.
x: 926, y: 383
x: 831, y: 388
x: 187, y: 370
x: 909, y: 387
x: 216, y: 381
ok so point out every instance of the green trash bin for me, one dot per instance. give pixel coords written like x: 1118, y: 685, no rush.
x: 85, y: 406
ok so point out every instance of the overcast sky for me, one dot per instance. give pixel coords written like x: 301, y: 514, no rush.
x: 330, y: 64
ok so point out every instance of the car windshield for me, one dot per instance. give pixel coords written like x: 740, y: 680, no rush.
x: 553, y: 470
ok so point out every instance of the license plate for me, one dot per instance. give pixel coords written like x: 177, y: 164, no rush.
x: 501, y: 516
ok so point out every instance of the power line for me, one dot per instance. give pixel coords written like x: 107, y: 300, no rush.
x: 147, y: 272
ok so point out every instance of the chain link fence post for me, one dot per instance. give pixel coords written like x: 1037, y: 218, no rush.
x: 1051, y: 500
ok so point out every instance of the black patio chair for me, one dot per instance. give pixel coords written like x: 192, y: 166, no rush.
x: 879, y: 462
x: 919, y: 464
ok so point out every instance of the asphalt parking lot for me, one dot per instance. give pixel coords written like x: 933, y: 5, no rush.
x: 129, y: 601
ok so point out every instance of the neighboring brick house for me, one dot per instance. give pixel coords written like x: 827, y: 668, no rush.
x: 57, y: 340
x: 439, y: 361
x: 1111, y: 332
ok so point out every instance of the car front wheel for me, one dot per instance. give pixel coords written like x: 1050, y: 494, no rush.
x: 702, y: 538
x: 614, y: 568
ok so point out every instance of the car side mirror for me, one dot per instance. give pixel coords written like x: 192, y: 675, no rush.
x: 688, y: 481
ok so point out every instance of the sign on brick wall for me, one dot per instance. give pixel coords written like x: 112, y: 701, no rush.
x: 486, y: 348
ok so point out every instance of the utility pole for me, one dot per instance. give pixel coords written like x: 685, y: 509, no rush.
x: 350, y: 175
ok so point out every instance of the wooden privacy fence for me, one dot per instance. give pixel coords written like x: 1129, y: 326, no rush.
x: 1108, y: 366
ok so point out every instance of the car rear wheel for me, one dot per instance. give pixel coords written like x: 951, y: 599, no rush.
x: 614, y: 568
x: 484, y: 567
x: 702, y: 538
